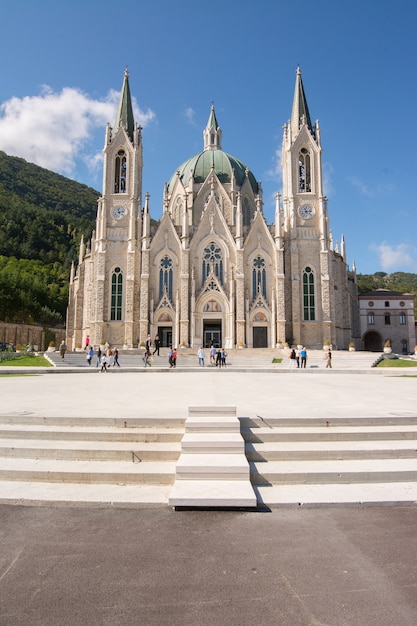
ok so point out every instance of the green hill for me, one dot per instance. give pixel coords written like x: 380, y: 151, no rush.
x: 42, y: 218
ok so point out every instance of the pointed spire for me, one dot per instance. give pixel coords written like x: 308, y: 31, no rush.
x: 300, y: 114
x: 124, y: 115
x: 212, y: 132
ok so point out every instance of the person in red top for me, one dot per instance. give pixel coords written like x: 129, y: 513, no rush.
x: 87, y: 342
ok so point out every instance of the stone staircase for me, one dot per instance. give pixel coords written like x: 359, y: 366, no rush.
x: 135, y: 462
x: 212, y: 470
x: 246, y: 360
x: 306, y: 461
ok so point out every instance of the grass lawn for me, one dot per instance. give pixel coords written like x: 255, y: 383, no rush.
x: 397, y: 363
x: 26, y: 360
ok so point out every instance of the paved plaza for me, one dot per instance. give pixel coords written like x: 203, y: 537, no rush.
x: 96, y: 565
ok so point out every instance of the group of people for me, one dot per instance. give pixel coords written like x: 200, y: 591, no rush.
x: 147, y: 357
x: 108, y: 357
x: 218, y: 356
x: 298, y: 357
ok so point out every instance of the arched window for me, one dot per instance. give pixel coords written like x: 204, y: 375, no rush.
x: 304, y: 171
x: 116, y: 295
x: 258, y: 277
x: 120, y: 171
x: 213, y: 262
x: 177, y: 212
x: 165, y: 277
x: 246, y: 212
x: 308, y: 295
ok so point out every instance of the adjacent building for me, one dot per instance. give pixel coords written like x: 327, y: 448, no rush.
x: 387, y: 316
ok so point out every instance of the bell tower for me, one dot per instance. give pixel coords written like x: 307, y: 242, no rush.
x: 114, y: 301
x: 305, y: 227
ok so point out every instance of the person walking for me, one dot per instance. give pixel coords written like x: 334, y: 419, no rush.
x: 90, y: 355
x: 87, y: 342
x: 201, y: 356
x: 116, y: 357
x: 98, y: 356
x: 303, y: 353
x: 219, y: 358
x: 104, y: 358
x: 212, y: 355
x: 146, y: 358
x: 157, y: 343
x: 62, y: 349
x: 297, y: 356
x: 292, y: 358
x: 174, y: 357
x: 148, y: 344
x: 224, y: 355
x: 170, y: 355
x: 328, y: 358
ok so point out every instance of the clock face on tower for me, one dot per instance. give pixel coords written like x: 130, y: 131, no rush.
x: 119, y: 212
x: 306, y: 211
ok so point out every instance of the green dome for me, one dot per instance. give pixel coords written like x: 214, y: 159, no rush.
x: 199, y: 166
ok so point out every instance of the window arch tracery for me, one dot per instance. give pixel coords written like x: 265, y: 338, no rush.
x: 166, y: 277
x: 309, y: 305
x: 258, y: 277
x: 120, y: 172
x: 213, y: 262
x: 304, y: 171
x: 116, y: 295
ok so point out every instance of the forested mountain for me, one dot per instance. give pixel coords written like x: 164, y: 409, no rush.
x: 42, y: 218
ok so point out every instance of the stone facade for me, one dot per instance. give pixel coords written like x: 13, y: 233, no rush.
x: 213, y: 270
x: 387, y: 316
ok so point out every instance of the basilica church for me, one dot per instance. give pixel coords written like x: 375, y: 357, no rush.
x: 212, y: 270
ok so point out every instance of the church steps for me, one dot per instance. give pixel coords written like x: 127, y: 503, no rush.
x: 358, y: 433
x: 86, y: 433
x: 341, y: 471
x: 89, y: 450
x: 105, y: 472
x: 301, y: 451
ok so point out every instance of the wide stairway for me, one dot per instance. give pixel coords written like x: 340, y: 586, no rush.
x: 257, y: 359
x: 135, y: 462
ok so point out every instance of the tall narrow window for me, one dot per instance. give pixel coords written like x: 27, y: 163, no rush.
x: 165, y: 277
x: 120, y: 172
x: 258, y: 277
x: 371, y: 318
x: 116, y: 295
x: 403, y: 319
x: 212, y: 262
x: 304, y: 171
x: 308, y: 295
x: 387, y: 320
x: 246, y: 212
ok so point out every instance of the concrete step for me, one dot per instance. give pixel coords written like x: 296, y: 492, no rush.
x: 317, y: 472
x: 212, y: 424
x: 333, y: 495
x: 342, y: 433
x: 61, y: 494
x: 334, y: 450
x: 212, y: 467
x: 89, y: 450
x: 87, y: 433
x: 212, y: 443
x: 110, y: 472
x: 212, y: 493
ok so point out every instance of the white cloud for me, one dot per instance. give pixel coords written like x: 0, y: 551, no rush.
x: 54, y: 130
x: 400, y: 258
x: 190, y: 116
x: 368, y: 190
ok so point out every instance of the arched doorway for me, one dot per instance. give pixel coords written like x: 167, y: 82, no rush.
x: 372, y: 342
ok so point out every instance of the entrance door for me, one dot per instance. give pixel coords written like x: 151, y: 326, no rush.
x: 212, y: 334
x: 260, y: 337
x: 373, y: 342
x: 165, y: 335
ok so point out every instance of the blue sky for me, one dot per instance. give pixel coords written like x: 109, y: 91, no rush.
x: 61, y: 71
